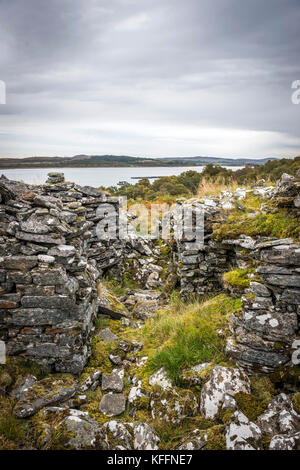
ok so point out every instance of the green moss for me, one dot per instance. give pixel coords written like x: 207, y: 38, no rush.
x: 296, y: 402
x: 5, y: 380
x: 226, y: 416
x: 238, y: 278
x: 279, y: 225
x: 254, y: 404
x: 99, y: 357
x: 114, y: 303
x: 216, y: 438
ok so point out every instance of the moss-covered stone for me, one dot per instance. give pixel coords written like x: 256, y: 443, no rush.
x: 296, y: 402
x: 254, y: 404
x: 216, y: 438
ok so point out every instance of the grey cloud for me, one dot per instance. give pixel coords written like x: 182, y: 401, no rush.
x: 113, y: 66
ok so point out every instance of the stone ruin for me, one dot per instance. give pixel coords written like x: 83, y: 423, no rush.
x: 51, y: 261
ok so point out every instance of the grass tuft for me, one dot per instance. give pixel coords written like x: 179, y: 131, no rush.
x: 187, y: 334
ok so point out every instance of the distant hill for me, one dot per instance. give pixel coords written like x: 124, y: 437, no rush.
x: 99, y: 161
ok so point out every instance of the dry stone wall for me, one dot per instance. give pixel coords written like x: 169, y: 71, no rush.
x: 49, y: 266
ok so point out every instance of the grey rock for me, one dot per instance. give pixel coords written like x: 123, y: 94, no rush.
x: 52, y: 301
x: 21, y: 388
x: 64, y: 251
x: 86, y: 434
x: 52, y: 239
x: 285, y: 442
x: 107, y: 335
x: 280, y: 417
x: 242, y: 434
x: 160, y: 378
x: 112, y: 383
x: 223, y: 381
x: 22, y: 263
x: 43, y: 393
x: 91, y: 381
x: 196, y: 440
x: 128, y: 436
x: 112, y: 404
x: 49, y: 276
x: 259, y: 289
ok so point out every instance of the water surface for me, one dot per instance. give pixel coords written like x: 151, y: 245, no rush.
x: 97, y: 176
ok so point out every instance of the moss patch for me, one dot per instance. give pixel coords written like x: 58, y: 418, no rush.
x: 254, y: 404
x: 278, y: 225
x: 296, y: 402
x: 238, y: 278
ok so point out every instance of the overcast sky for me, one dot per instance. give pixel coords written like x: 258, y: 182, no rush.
x: 150, y: 77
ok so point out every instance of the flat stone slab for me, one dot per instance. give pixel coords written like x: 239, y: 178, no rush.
x: 112, y: 404
x: 107, y: 335
x: 112, y: 382
x: 45, y: 392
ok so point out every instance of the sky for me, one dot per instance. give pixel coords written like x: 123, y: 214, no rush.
x: 150, y: 78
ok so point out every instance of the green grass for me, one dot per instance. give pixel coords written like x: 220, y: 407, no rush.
x: 12, y: 428
x: 186, y: 334
x: 278, y: 225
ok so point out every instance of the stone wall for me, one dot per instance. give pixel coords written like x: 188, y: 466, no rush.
x: 266, y: 335
x: 50, y: 262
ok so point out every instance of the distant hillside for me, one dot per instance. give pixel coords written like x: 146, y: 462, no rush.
x: 99, y: 161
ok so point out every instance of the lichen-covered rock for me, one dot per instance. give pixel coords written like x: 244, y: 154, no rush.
x: 22, y: 386
x: 242, y: 434
x: 223, y: 381
x: 46, y: 392
x: 285, y: 442
x: 119, y: 435
x: 112, y: 404
x: 196, y: 440
x: 107, y: 335
x: 193, y: 375
x: 80, y: 431
x: 92, y: 381
x: 144, y: 437
x: 160, y: 379
x: 280, y: 417
x: 172, y: 406
x: 113, y: 383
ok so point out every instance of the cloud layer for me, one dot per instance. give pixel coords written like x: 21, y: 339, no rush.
x: 142, y: 77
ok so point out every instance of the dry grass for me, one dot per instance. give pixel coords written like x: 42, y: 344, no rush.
x: 214, y: 188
